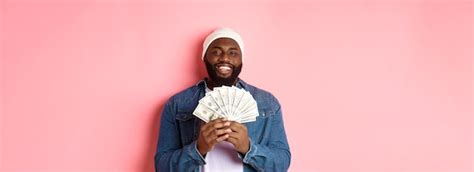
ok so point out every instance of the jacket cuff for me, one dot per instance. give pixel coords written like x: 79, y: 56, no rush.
x: 248, y: 156
x: 194, y: 153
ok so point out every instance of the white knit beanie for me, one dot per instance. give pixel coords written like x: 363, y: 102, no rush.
x: 222, y: 33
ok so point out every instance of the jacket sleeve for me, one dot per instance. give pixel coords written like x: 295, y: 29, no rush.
x: 170, y: 155
x: 274, y: 156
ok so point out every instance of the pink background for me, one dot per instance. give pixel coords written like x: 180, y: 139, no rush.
x: 365, y: 85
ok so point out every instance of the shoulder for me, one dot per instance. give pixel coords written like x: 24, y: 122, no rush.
x: 263, y: 97
x: 184, y: 100
x: 185, y: 94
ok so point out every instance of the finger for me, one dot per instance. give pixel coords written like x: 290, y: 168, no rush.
x: 238, y: 127
x: 213, y: 134
x: 218, y: 129
x: 222, y: 138
x: 212, y: 122
x: 232, y: 140
x: 217, y: 124
x: 220, y: 132
x: 205, y: 130
x: 212, y: 139
x: 217, y: 120
x: 221, y: 124
x: 235, y: 135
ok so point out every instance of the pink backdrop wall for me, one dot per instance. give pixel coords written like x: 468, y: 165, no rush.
x: 365, y: 85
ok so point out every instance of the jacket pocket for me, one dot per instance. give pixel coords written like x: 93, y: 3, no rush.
x: 186, y: 127
x: 184, y: 116
x: 264, y: 119
x: 266, y: 114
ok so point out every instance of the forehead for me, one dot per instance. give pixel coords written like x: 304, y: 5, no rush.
x: 224, y: 42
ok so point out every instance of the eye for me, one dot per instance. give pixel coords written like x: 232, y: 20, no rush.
x: 233, y: 53
x: 216, y: 52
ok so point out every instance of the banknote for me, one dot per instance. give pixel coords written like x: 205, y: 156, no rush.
x: 232, y: 103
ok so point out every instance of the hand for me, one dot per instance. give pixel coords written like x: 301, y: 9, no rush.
x: 239, y: 137
x: 212, y: 133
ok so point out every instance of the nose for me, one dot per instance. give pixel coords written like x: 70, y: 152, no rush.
x: 224, y: 58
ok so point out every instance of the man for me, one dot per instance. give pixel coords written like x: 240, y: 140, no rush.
x: 187, y: 143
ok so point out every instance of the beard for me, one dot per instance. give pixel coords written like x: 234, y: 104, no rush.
x: 220, y: 81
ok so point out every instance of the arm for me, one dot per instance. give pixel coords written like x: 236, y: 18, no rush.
x: 170, y: 155
x: 275, y: 156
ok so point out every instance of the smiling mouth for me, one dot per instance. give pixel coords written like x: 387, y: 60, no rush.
x: 224, y: 69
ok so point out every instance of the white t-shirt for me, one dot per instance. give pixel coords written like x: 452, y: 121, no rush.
x: 223, y: 157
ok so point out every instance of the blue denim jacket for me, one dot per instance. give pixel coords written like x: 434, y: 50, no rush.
x: 179, y: 130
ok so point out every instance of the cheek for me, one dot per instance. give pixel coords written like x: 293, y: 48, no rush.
x: 237, y: 61
x: 212, y: 60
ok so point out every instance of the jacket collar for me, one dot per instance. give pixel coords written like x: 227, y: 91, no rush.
x: 240, y: 83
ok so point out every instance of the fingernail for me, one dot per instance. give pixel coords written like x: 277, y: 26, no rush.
x: 228, y: 130
x: 227, y: 123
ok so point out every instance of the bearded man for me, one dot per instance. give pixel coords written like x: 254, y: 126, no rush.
x: 187, y: 143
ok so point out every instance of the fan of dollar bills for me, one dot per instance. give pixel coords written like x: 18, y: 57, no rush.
x: 232, y: 103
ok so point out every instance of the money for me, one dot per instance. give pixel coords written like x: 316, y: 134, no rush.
x: 232, y: 103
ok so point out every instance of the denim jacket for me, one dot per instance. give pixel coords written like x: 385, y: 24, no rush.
x: 179, y: 130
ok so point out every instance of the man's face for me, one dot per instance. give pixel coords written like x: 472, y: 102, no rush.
x: 223, y: 61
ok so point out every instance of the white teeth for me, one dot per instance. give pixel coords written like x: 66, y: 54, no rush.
x: 225, y: 67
